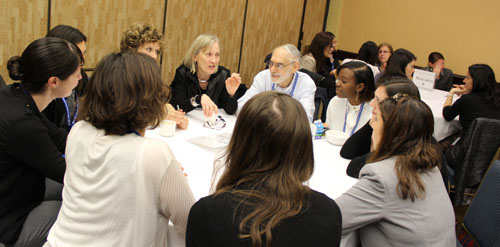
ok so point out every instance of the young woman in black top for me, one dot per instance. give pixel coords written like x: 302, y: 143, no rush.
x: 63, y: 111
x: 32, y: 147
x: 480, y: 98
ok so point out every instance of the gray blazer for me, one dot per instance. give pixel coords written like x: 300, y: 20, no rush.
x: 373, y: 208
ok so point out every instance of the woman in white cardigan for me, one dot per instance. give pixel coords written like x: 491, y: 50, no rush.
x: 120, y: 188
x: 400, y: 198
x: 350, y: 109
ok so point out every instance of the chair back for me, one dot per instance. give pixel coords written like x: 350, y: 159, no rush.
x: 320, y: 104
x: 483, y: 216
x: 475, y: 150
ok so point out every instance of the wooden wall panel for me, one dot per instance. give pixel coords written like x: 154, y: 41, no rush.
x: 313, y: 21
x: 268, y: 24
x: 185, y: 20
x: 103, y: 22
x: 22, y: 22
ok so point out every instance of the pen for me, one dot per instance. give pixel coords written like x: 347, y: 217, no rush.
x: 178, y: 108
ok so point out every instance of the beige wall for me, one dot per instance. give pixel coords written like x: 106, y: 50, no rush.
x: 466, y: 32
x: 267, y: 24
x: 333, y: 19
x: 22, y: 22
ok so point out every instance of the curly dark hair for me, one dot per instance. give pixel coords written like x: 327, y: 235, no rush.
x: 138, y: 34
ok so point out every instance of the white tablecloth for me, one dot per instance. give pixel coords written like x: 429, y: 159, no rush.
x: 329, y: 176
x: 435, y: 100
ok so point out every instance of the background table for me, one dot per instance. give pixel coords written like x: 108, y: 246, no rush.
x: 435, y: 100
x: 329, y: 176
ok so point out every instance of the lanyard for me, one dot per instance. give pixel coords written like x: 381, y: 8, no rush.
x: 71, y: 122
x: 133, y: 131
x: 294, y: 84
x: 357, y: 119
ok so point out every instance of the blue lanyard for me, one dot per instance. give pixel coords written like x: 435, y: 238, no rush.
x: 71, y: 122
x: 357, y: 119
x: 133, y: 131
x: 294, y: 84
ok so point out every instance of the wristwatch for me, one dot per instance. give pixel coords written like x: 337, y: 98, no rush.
x: 193, y: 101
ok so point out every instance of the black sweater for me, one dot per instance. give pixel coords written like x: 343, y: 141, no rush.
x: 211, y: 223
x: 469, y: 107
x: 31, y: 149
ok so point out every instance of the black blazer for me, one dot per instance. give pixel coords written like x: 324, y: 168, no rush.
x: 185, y: 86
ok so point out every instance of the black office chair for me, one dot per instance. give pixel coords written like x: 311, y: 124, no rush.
x: 480, y: 224
x: 472, y: 155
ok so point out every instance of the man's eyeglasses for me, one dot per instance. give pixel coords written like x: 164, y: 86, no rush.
x: 218, y: 124
x: 279, y: 66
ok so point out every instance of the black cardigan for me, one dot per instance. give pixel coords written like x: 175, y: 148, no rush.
x: 31, y: 149
x: 185, y: 86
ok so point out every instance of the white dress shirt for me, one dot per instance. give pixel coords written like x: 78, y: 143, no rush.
x: 303, y: 91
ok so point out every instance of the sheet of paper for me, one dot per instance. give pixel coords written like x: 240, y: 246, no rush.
x: 212, y: 141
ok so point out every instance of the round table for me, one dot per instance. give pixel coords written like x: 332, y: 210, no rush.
x: 329, y: 176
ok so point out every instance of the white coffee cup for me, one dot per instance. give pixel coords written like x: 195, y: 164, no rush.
x: 167, y: 128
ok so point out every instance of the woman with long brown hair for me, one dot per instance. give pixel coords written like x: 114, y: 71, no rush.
x: 260, y: 199
x: 400, y: 198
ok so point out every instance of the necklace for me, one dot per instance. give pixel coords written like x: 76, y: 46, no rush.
x: 202, y: 81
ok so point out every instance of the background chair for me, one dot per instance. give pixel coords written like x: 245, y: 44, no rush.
x: 480, y: 226
x: 325, y: 90
x: 472, y: 155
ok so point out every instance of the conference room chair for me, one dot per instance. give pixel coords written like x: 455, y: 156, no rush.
x: 480, y: 226
x: 476, y: 151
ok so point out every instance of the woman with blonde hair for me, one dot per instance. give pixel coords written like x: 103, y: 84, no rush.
x: 201, y: 81
x: 261, y: 199
x: 400, y: 198
x: 121, y: 189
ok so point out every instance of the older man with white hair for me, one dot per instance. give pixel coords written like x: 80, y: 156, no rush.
x: 283, y: 76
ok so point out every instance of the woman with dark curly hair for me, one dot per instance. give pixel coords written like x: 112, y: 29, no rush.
x: 142, y: 38
x: 146, y: 39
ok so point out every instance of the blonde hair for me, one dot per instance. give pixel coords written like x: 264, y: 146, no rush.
x: 138, y: 34
x: 200, y: 43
